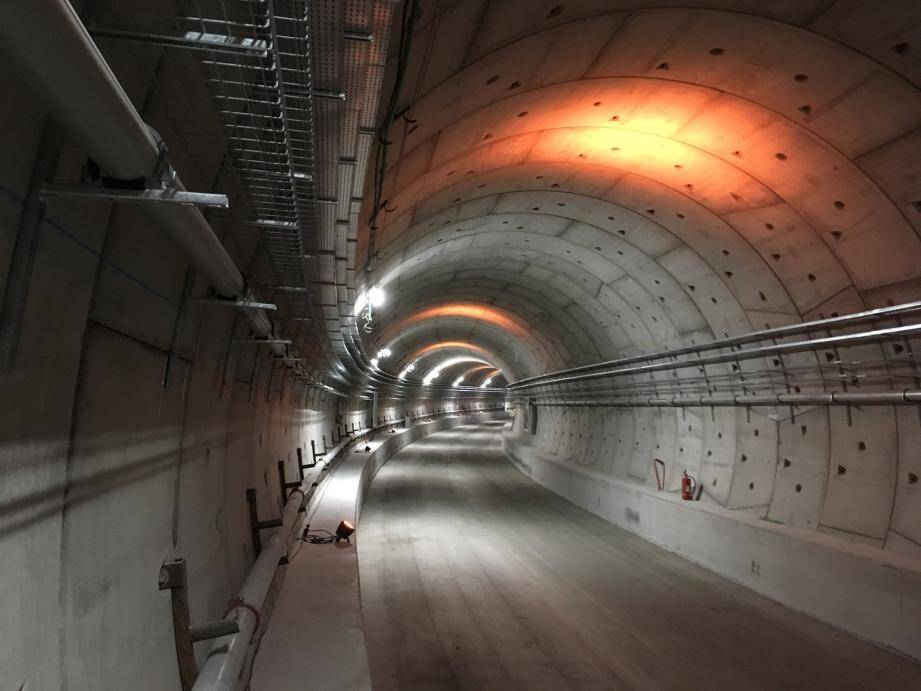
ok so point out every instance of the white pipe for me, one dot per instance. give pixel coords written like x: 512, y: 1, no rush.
x: 224, y: 664
x: 229, y: 654
x: 54, y: 55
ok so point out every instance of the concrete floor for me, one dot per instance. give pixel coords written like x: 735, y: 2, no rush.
x: 472, y: 576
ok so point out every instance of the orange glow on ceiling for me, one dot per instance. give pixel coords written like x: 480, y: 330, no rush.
x: 465, y: 345
x: 469, y: 310
x: 495, y: 371
x: 474, y: 370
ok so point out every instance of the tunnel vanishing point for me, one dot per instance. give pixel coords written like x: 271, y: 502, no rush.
x: 460, y: 344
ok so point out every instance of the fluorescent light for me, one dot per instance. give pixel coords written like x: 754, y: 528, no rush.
x: 458, y: 381
x: 384, y: 353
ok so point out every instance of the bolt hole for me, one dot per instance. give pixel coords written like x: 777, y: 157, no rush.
x: 861, y: 446
x: 799, y: 488
x: 841, y: 470
x: 493, y: 79
x: 662, y: 66
x: 801, y: 78
x: 780, y: 156
x: 556, y: 11
x: 717, y: 51
x: 787, y: 463
x: 901, y: 48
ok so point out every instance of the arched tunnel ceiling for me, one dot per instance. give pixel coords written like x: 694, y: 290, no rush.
x: 623, y: 179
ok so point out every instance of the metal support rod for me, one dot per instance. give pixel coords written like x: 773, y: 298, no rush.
x: 254, y: 521
x: 195, y: 40
x: 269, y: 341
x: 145, y: 196
x: 214, y: 629
x: 173, y: 578
x: 358, y: 35
x: 236, y: 304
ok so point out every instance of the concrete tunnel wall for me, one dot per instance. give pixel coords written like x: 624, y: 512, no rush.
x: 597, y: 180
x: 110, y: 463
x: 621, y: 179
x: 107, y: 471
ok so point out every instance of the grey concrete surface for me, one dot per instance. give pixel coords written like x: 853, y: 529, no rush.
x: 472, y: 576
x: 315, y: 638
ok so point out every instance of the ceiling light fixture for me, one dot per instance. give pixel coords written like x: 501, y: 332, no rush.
x: 376, y: 296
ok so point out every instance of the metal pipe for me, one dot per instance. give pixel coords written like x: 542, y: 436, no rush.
x: 228, y: 654
x: 836, y: 398
x: 55, y: 56
x: 753, y: 337
x: 830, y: 342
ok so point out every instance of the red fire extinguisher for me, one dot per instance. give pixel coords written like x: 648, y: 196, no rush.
x: 688, y: 485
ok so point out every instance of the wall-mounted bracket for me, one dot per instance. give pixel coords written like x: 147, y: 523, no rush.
x: 255, y: 525
x: 283, y: 483
x: 269, y: 341
x: 194, y: 40
x: 173, y: 577
x: 147, y: 196
x: 236, y: 304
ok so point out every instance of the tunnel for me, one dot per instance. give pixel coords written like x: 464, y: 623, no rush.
x: 460, y: 344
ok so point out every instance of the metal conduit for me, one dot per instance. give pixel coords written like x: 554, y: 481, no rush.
x: 854, y: 319
x: 56, y: 57
x: 830, y: 342
x: 836, y: 398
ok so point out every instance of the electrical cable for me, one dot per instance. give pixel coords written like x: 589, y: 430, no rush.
x: 408, y: 20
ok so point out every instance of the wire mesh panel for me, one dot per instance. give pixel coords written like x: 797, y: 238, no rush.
x: 272, y: 101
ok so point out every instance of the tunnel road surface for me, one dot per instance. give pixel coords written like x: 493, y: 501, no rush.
x: 475, y: 577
